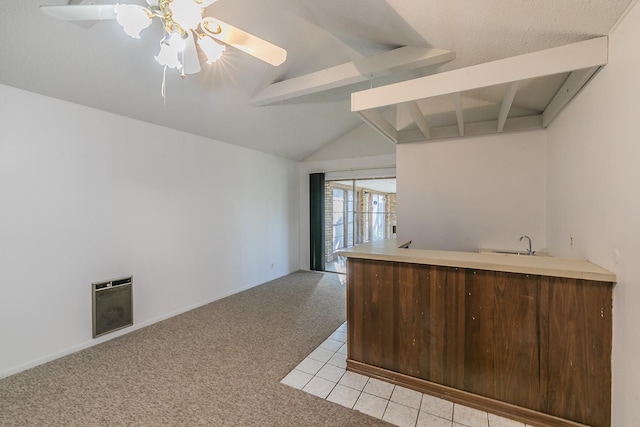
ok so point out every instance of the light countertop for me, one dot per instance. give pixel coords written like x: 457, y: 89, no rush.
x: 389, y: 250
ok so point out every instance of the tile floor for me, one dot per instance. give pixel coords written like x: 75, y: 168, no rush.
x: 323, y: 374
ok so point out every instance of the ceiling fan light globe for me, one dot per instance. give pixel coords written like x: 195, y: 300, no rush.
x: 212, y: 49
x: 186, y: 13
x: 132, y: 18
x: 168, y: 56
x: 190, y: 59
x: 177, y: 42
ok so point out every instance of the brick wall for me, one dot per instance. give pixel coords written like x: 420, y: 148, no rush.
x: 328, y: 221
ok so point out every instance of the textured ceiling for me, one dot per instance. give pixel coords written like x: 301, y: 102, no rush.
x: 101, y: 67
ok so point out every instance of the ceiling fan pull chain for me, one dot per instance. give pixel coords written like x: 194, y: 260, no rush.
x: 182, y: 75
x: 163, y: 91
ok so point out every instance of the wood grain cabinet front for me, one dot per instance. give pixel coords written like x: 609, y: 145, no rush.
x: 530, y: 347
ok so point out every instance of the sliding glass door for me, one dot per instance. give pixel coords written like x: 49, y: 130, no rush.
x: 357, y: 211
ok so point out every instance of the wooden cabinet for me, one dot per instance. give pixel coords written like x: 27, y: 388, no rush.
x: 530, y: 347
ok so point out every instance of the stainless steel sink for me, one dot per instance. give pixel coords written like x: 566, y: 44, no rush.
x: 511, y: 252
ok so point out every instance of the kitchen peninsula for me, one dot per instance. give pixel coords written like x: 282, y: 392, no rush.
x: 525, y: 337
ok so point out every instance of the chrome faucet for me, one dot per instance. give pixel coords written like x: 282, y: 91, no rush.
x: 529, y: 252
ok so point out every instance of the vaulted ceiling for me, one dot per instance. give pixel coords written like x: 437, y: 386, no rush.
x: 335, y: 48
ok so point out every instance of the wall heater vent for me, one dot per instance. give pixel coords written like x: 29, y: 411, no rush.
x: 112, y: 305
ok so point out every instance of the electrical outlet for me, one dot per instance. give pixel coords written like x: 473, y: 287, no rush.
x: 273, y: 264
x: 571, y: 241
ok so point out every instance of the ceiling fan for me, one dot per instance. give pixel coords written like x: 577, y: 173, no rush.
x: 184, y: 27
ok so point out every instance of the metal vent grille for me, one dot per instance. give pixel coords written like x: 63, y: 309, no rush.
x: 112, y: 305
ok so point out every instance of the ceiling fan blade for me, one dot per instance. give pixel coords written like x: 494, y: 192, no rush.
x: 244, y: 41
x: 81, y: 12
x: 191, y: 62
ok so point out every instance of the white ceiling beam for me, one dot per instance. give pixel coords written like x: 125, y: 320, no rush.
x: 379, y: 123
x: 507, y: 101
x: 457, y: 97
x: 569, y: 89
x: 394, y: 61
x: 473, y: 129
x: 568, y: 58
x: 418, y: 117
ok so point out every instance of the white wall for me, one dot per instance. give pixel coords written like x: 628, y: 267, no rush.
x: 363, y: 139
x: 593, y: 191
x: 87, y: 196
x: 363, y: 167
x: 464, y: 194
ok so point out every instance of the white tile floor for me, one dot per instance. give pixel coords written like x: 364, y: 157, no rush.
x: 323, y: 374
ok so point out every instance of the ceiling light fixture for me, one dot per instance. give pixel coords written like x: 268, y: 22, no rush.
x: 183, y: 24
x: 181, y: 19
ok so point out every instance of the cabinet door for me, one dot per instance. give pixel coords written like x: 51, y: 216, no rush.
x: 370, y: 313
x: 505, y: 349
x: 580, y: 339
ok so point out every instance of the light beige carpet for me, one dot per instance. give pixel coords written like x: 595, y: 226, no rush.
x: 218, y: 365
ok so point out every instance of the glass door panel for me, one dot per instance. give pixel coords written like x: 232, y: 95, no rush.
x: 361, y: 211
